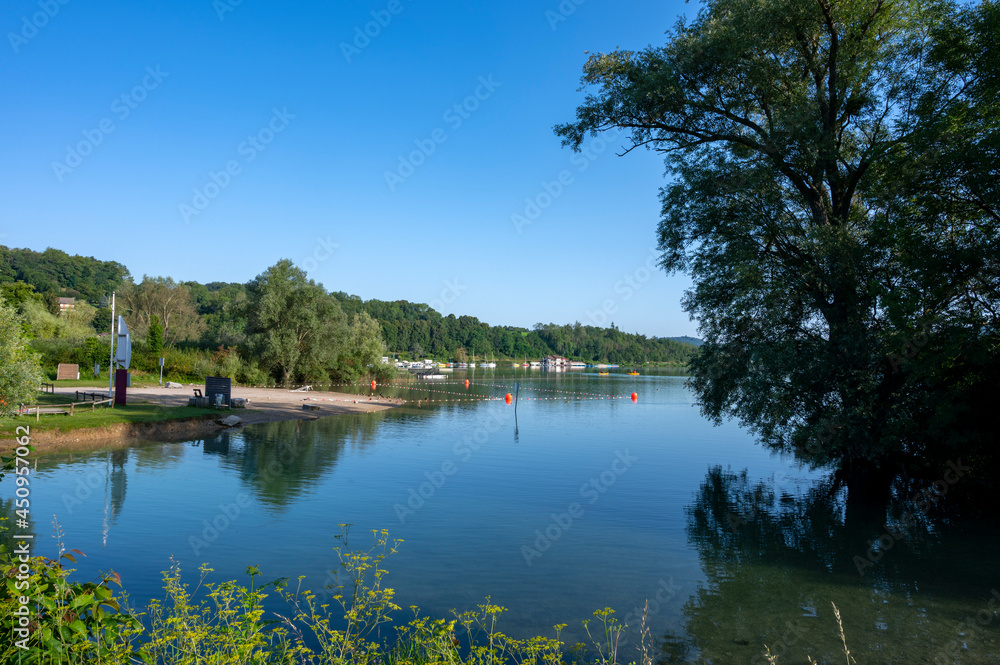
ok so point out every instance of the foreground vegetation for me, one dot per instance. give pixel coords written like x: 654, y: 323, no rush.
x: 226, y: 623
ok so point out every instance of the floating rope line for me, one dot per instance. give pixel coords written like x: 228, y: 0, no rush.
x: 408, y: 381
x: 452, y: 396
x: 435, y: 394
x: 505, y: 388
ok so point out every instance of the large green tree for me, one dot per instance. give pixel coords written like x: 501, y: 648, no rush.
x: 362, y: 354
x: 825, y: 241
x: 295, y: 329
x: 20, y: 372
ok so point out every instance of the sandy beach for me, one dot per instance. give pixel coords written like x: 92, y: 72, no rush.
x: 265, y: 405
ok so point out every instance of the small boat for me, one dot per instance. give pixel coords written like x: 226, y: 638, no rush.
x: 487, y: 364
x: 429, y: 376
x: 603, y: 373
x: 632, y: 372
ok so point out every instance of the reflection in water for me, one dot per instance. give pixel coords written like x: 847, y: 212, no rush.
x: 776, y: 559
x: 279, y: 461
x: 114, y: 489
x: 218, y: 444
x: 8, y: 519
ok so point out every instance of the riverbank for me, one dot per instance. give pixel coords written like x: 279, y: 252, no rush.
x: 170, y: 419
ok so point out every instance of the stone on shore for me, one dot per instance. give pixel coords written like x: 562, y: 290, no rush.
x: 229, y: 421
x: 173, y: 384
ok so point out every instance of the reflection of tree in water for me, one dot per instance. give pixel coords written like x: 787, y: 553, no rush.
x: 158, y: 456
x: 776, y: 561
x: 278, y: 461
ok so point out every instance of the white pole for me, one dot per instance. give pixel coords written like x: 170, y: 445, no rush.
x: 111, y: 365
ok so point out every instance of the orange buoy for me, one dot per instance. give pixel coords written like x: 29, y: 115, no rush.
x: 508, y: 398
x: 635, y: 397
x: 373, y: 384
x: 466, y: 383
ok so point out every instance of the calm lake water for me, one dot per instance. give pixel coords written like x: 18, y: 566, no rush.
x: 584, y: 502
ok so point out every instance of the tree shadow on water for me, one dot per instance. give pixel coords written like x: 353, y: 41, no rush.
x: 915, y: 586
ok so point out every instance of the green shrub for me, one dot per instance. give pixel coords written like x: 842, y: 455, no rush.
x: 66, y: 622
x: 250, y: 374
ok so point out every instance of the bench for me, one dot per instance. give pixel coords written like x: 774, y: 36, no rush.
x: 47, y: 410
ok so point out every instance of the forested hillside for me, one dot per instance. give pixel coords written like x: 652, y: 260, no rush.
x: 207, y: 317
x: 55, y: 271
x: 421, y: 330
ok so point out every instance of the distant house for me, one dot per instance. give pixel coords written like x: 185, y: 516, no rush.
x: 66, y: 303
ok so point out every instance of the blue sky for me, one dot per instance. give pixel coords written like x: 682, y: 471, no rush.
x: 206, y: 140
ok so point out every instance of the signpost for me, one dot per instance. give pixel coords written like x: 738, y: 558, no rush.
x: 123, y: 357
x: 161, y: 371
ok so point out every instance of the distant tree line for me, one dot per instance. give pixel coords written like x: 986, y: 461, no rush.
x: 416, y: 327
x: 55, y: 273
x: 279, y: 327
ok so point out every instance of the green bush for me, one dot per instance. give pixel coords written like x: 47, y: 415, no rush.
x: 20, y: 372
x: 65, y: 622
x: 250, y: 374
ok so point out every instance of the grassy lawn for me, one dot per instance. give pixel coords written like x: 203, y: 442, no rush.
x: 102, y: 416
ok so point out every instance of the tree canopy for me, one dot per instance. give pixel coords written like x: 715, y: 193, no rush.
x: 294, y: 327
x: 56, y: 271
x: 833, y: 196
x: 166, y: 301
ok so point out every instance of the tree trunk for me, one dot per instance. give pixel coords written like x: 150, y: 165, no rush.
x: 868, y: 493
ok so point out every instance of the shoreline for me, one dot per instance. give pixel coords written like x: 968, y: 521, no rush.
x: 266, y: 405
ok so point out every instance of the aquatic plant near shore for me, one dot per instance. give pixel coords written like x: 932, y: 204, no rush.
x: 76, y: 622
